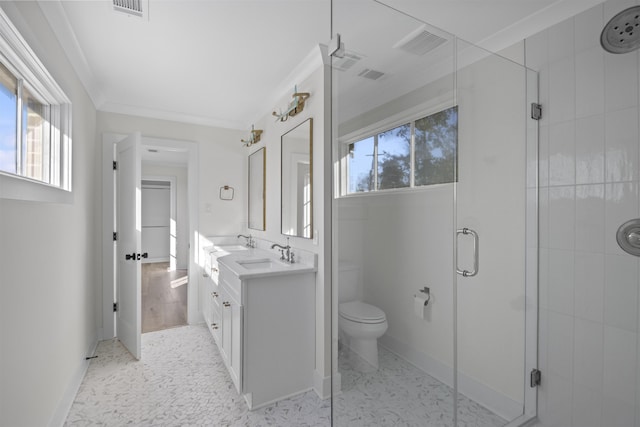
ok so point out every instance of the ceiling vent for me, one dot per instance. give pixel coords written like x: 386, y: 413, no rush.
x: 420, y: 42
x: 370, y: 74
x: 130, y: 7
x: 347, y: 61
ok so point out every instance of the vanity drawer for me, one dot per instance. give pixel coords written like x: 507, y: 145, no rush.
x: 214, y: 269
x: 231, y: 283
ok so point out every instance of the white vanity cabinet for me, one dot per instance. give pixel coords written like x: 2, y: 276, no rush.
x: 230, y: 343
x: 210, y: 296
x: 267, y: 331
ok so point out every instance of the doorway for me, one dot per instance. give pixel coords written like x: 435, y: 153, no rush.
x: 164, y: 283
x: 164, y: 297
x: 158, y: 154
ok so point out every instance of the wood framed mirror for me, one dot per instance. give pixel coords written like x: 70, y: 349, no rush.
x: 257, y: 189
x: 297, y: 181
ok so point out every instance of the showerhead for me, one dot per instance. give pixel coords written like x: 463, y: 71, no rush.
x: 622, y: 32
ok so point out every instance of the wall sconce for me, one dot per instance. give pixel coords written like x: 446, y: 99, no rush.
x: 295, y: 106
x: 254, y: 138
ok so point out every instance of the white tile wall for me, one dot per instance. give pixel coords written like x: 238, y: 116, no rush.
x: 589, y: 176
x: 590, y: 149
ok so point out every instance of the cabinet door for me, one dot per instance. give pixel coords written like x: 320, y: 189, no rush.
x: 205, y: 302
x: 225, y: 348
x: 216, y: 318
x: 236, y: 345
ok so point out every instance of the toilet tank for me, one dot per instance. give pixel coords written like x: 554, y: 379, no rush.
x: 349, y: 282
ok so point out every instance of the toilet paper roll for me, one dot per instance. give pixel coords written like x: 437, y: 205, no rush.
x: 419, y: 304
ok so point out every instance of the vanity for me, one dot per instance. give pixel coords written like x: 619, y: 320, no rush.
x: 261, y: 313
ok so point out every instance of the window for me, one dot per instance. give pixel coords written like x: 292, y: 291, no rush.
x: 35, y: 117
x: 422, y: 152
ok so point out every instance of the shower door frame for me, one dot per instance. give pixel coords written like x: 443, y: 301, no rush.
x: 531, y: 250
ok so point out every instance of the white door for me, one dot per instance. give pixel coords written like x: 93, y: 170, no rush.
x: 128, y: 222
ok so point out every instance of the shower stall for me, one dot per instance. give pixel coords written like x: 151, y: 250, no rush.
x: 435, y: 224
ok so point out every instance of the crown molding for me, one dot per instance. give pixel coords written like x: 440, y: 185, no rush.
x: 56, y: 16
x: 130, y: 110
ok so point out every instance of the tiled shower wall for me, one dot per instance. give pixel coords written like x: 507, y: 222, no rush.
x: 589, y: 178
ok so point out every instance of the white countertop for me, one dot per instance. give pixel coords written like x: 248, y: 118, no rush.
x: 234, y: 259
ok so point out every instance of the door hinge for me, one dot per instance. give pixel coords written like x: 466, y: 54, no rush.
x: 115, y: 165
x: 536, y: 378
x: 115, y: 236
x: 536, y: 111
x: 115, y: 307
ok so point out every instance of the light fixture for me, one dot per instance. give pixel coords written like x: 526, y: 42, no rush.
x: 254, y: 138
x: 295, y: 106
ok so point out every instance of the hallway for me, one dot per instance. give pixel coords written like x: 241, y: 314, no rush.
x: 164, y: 297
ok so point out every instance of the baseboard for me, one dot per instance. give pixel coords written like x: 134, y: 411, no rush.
x: 248, y: 397
x: 431, y: 366
x: 474, y: 390
x: 64, y: 405
x: 322, y: 385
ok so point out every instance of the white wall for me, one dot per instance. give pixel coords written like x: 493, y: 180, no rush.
x: 316, y: 107
x: 589, y: 178
x: 182, y: 216
x: 48, y: 263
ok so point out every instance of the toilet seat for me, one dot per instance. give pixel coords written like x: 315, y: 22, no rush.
x: 360, y: 312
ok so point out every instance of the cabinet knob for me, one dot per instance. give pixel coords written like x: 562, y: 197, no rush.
x: 226, y: 304
x: 215, y: 269
x: 214, y: 325
x: 214, y: 294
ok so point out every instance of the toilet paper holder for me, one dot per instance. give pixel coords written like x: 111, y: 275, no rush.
x: 427, y: 292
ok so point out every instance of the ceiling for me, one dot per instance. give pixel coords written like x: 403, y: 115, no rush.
x: 223, y: 63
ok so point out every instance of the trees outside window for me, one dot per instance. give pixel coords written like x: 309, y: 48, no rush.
x: 422, y: 152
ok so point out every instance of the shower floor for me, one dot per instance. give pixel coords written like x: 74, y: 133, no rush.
x: 182, y: 380
x: 399, y: 394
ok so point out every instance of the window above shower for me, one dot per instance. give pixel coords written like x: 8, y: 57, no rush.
x: 414, y: 154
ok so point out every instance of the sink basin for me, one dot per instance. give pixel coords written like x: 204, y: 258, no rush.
x: 231, y: 248
x: 260, y: 264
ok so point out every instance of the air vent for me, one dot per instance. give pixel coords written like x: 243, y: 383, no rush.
x: 370, y: 74
x: 347, y: 61
x: 420, y: 42
x: 130, y: 7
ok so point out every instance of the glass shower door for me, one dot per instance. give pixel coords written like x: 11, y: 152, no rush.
x: 497, y: 140
x: 435, y: 226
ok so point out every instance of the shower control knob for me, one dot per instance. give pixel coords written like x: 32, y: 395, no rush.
x: 634, y: 238
x: 628, y: 237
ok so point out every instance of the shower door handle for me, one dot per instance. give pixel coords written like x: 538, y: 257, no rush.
x: 466, y: 273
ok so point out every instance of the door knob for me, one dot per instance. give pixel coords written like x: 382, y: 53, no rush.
x: 145, y: 255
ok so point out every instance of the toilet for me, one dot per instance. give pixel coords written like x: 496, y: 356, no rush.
x: 359, y: 324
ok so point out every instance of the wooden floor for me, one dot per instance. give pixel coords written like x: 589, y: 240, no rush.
x: 164, y: 297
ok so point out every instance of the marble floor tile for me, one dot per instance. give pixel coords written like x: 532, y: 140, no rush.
x: 182, y: 381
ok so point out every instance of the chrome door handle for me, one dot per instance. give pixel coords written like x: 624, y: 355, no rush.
x: 467, y: 273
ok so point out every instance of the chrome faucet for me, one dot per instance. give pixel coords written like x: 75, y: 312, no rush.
x: 286, y: 254
x: 250, y: 242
